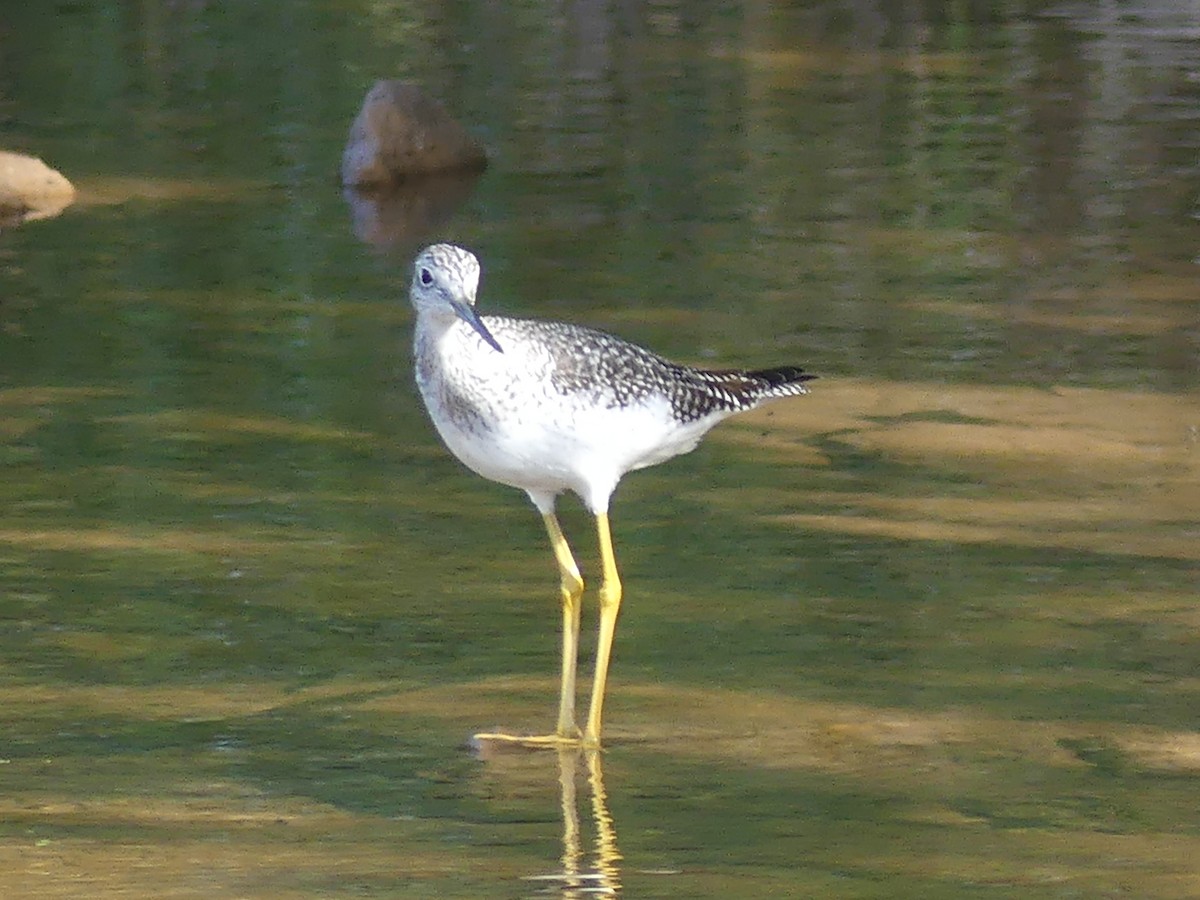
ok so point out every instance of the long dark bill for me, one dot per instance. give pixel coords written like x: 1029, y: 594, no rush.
x: 468, y: 315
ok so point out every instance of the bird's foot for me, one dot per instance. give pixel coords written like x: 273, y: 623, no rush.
x: 531, y: 741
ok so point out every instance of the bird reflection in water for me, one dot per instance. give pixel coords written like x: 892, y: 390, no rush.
x: 585, y: 869
x: 602, y: 876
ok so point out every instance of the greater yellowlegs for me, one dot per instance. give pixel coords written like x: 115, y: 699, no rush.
x: 549, y: 407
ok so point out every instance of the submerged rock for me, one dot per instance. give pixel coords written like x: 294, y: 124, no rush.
x: 30, y: 189
x: 400, y: 132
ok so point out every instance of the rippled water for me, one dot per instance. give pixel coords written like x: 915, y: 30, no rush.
x: 930, y: 630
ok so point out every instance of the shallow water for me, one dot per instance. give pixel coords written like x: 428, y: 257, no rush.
x: 929, y: 630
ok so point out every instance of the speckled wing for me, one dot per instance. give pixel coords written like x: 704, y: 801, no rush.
x: 613, y: 373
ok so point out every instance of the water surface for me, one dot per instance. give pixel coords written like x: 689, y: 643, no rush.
x: 930, y: 630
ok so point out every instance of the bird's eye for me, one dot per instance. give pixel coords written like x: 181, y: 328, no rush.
x: 426, y: 277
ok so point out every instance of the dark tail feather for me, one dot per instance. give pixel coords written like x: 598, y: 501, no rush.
x: 781, y: 381
x: 737, y: 389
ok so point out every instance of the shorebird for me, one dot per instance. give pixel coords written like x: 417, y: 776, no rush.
x: 550, y: 407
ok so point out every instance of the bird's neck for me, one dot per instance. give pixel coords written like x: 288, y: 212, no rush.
x: 433, y: 326
x: 449, y: 343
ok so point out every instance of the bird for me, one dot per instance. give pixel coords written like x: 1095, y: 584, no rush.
x: 550, y: 407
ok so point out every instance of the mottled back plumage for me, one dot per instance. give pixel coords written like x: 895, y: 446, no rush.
x: 603, y: 369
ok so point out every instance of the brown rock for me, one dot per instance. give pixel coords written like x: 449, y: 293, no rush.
x: 399, y: 132
x: 29, y: 189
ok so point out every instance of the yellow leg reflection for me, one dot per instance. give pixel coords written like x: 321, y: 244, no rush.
x: 603, y: 876
x: 610, y: 605
x: 571, y: 589
x: 607, y: 854
x: 571, y: 852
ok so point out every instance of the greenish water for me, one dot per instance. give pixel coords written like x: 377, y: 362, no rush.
x: 931, y: 630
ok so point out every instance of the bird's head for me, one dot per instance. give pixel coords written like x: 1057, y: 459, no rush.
x: 445, y: 278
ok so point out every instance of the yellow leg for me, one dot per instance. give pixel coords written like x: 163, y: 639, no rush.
x: 571, y: 589
x: 610, y: 605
